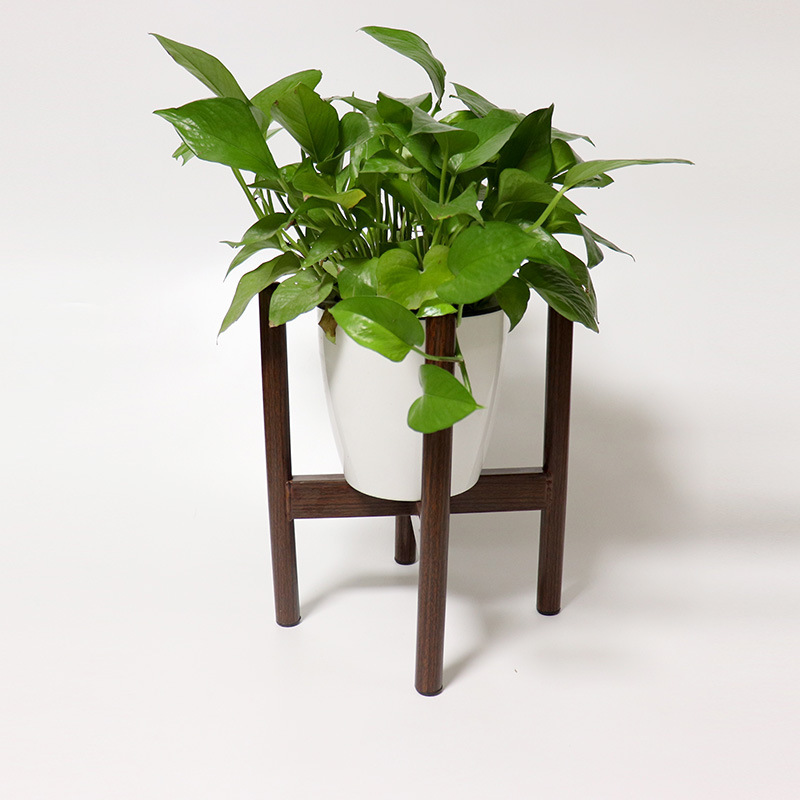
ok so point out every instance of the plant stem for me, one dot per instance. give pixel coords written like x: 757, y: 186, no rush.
x: 238, y: 175
x: 429, y: 357
x: 546, y: 213
x: 462, y: 365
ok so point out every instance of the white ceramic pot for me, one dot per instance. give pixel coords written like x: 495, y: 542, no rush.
x: 369, y: 397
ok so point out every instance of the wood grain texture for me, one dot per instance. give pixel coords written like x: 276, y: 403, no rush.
x: 556, y: 452
x: 330, y: 496
x: 437, y: 456
x: 275, y: 388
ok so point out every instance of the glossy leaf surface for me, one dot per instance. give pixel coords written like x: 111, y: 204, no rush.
x: 483, y: 259
x: 298, y: 294
x: 224, y: 131
x: 444, y: 401
x: 380, y: 324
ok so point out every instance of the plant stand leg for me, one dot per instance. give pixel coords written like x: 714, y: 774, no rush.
x: 405, y: 545
x: 437, y: 456
x: 556, y: 447
x: 275, y: 385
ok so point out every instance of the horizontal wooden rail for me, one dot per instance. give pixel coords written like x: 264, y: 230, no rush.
x: 329, y: 496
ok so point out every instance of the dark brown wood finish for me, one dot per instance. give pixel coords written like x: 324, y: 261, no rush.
x: 437, y: 456
x: 405, y: 545
x: 330, y: 496
x: 556, y: 449
x: 275, y: 386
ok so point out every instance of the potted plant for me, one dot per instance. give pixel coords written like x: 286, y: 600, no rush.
x: 397, y: 211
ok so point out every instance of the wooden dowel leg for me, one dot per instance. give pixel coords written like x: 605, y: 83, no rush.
x: 405, y: 545
x: 437, y: 455
x: 556, y: 448
x: 275, y: 385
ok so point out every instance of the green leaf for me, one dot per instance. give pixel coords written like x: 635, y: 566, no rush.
x: 307, y: 181
x: 473, y: 101
x: 298, y: 294
x: 266, y: 97
x: 399, y: 276
x: 206, y: 68
x: 436, y: 309
x: 265, y: 229
x: 483, y: 259
x: 528, y: 148
x: 357, y: 277
x: 420, y: 147
x: 222, y: 129
x: 364, y: 106
x: 453, y: 140
x: 493, y: 131
x: 564, y: 156
x: 588, y: 170
x: 250, y: 250
x: 516, y: 186
x: 399, y: 110
x: 385, y: 161
x: 412, y: 46
x: 328, y: 242
x: 444, y: 401
x: 513, y: 298
x: 311, y: 121
x: 555, y: 133
x: 380, y: 324
x: 435, y: 270
x: 183, y: 153
x: 409, y: 196
x: 562, y: 294
x: 354, y: 130
x: 400, y: 279
x: 256, y: 281
x: 465, y: 203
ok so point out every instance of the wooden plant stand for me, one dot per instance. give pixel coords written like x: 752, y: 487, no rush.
x: 293, y: 497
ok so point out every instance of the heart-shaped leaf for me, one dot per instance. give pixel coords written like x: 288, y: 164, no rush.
x: 444, y: 401
x: 483, y: 259
x: 380, y: 324
x: 298, y: 294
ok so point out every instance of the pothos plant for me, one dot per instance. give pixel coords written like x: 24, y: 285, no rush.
x: 396, y: 210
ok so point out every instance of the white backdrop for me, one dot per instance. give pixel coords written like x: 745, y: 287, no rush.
x: 131, y: 488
